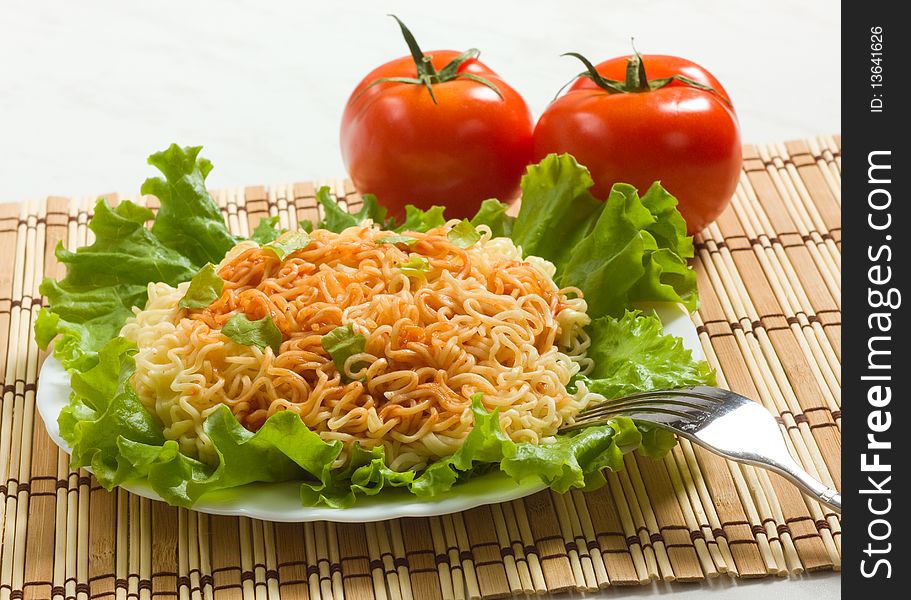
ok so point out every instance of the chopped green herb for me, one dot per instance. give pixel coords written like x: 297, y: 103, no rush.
x: 415, y: 266
x: 289, y: 243
x: 205, y: 288
x: 464, y: 235
x: 341, y: 343
x: 397, y: 239
x: 262, y: 333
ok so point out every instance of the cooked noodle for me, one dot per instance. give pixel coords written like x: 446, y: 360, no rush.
x: 480, y: 319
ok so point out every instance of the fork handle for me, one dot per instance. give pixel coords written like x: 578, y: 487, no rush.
x: 809, y: 484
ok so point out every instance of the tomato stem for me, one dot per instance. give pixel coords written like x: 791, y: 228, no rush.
x: 423, y: 62
x: 427, y: 74
x: 636, y: 80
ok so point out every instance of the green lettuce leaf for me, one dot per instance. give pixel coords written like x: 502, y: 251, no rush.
x: 283, y: 449
x: 618, y: 252
x: 493, y: 214
x: 104, y: 281
x: 366, y: 474
x: 266, y: 230
x: 102, y: 408
x: 669, y: 228
x: 557, y: 211
x: 633, y: 354
x: 571, y: 461
x: 656, y: 442
x: 337, y: 219
x: 188, y: 221
x: 576, y: 461
x: 124, y: 252
x: 421, y: 220
x: 484, y: 443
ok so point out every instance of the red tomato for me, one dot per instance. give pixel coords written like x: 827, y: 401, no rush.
x: 686, y: 137
x: 469, y: 145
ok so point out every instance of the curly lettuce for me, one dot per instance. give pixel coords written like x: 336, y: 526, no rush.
x: 632, y: 354
x: 621, y: 251
x: 104, y: 281
x: 188, y: 221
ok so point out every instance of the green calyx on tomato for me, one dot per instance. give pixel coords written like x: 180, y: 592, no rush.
x: 636, y: 80
x: 428, y: 75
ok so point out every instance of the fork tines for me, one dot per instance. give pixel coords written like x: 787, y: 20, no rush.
x: 692, y: 403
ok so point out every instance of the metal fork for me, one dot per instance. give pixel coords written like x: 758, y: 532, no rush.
x: 719, y: 420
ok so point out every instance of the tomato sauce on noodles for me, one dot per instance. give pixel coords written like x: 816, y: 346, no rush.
x: 477, y: 320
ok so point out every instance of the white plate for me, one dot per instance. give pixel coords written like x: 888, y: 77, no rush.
x: 281, y: 501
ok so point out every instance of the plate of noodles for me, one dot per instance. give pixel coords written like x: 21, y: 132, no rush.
x: 280, y: 501
x: 362, y: 367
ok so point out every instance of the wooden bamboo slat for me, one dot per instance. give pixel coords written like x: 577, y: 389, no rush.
x: 769, y: 322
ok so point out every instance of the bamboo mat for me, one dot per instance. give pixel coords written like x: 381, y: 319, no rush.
x: 769, y: 279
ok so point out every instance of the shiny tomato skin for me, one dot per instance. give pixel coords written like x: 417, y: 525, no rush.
x: 469, y: 146
x: 684, y: 137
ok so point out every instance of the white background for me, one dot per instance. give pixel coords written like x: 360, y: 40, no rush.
x: 89, y: 89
